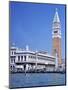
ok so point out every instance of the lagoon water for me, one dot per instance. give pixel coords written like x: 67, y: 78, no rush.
x: 36, y: 79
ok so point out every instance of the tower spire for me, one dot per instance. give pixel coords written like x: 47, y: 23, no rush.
x: 56, y: 32
x: 56, y: 17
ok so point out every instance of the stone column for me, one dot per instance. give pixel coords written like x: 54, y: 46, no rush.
x: 26, y: 67
x: 16, y: 60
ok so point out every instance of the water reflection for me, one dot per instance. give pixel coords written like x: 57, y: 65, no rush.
x: 36, y: 79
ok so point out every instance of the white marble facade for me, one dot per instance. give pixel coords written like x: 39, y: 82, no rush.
x: 25, y: 59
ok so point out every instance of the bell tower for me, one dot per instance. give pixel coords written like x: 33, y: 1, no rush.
x: 56, y: 37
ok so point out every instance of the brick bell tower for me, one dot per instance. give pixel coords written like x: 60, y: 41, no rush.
x: 56, y: 37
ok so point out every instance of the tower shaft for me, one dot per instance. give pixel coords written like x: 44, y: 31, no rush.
x: 57, y: 49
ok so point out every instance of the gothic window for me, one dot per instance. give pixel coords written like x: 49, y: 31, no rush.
x: 11, y: 60
x: 13, y: 67
x: 21, y: 57
x: 24, y: 58
x: 18, y: 58
x: 12, y: 52
x: 14, y: 60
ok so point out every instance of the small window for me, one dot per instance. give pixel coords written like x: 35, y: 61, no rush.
x: 55, y: 31
x: 11, y: 67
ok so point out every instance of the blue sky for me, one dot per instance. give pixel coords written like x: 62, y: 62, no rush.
x: 31, y: 24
